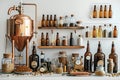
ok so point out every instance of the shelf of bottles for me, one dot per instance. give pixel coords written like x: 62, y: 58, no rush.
x: 60, y: 43
x: 105, y: 31
x: 101, y: 11
x: 61, y: 23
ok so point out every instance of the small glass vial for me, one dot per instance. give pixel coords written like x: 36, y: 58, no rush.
x: 7, y: 63
x: 80, y: 40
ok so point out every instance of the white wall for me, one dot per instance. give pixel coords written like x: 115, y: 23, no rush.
x: 81, y: 9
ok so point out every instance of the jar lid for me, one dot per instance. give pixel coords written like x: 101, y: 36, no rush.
x: 75, y: 54
x: 7, y: 55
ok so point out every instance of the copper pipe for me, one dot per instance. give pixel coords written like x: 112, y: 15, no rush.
x: 27, y: 58
x: 35, y: 15
x: 13, y: 53
x: 10, y: 9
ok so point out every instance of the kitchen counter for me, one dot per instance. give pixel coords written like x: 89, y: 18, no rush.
x: 53, y: 77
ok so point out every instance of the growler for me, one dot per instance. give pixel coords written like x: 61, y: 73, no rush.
x: 88, y: 59
x: 99, y: 58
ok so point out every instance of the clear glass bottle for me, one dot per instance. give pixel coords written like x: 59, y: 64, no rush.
x: 7, y: 63
x: 66, y: 21
x: 80, y: 40
x: 72, y: 21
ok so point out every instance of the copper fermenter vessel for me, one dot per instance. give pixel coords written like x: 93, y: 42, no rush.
x: 20, y: 28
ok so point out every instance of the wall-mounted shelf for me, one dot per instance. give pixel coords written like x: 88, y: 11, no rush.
x: 100, y: 38
x: 80, y: 27
x: 60, y: 47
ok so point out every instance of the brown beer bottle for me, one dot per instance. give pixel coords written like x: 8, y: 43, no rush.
x: 99, y: 58
x: 47, y: 39
x: 114, y: 56
x: 47, y: 21
x: 105, y: 11
x: 94, y: 32
x: 43, y: 21
x: 42, y: 39
x: 110, y: 12
x: 94, y: 12
x: 57, y: 40
x: 101, y: 12
x: 51, y: 21
x: 88, y: 59
x: 55, y: 23
x: 115, y: 34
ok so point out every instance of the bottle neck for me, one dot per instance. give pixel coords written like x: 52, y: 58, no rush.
x: 113, y: 49
x: 105, y: 8
x: 57, y: 37
x: 94, y: 7
x: 43, y: 18
x: 110, y: 8
x: 42, y: 35
x: 88, y: 47
x: 100, y: 8
x: 55, y: 18
x: 34, y: 49
x: 47, y: 36
x: 71, y: 35
x: 99, y: 48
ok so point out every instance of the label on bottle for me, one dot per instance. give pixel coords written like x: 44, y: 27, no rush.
x: 100, y: 62
x: 34, y: 64
x: 42, y: 56
x: 88, y: 57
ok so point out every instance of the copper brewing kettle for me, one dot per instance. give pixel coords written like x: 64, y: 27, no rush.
x: 19, y: 27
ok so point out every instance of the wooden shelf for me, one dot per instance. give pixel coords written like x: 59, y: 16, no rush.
x: 80, y: 27
x: 60, y: 47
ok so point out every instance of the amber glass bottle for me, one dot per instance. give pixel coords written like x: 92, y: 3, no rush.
x: 43, y: 21
x: 100, y: 31
x: 57, y: 40
x: 71, y: 39
x: 51, y: 21
x: 42, y: 39
x: 101, y: 12
x: 114, y: 56
x: 115, y: 34
x: 47, y: 39
x: 34, y: 59
x: 47, y: 21
x: 94, y: 33
x: 55, y: 23
x: 94, y: 12
x: 99, y: 57
x: 105, y: 11
x: 88, y: 59
x: 110, y: 12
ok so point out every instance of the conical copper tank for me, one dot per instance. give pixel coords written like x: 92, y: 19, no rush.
x: 19, y: 28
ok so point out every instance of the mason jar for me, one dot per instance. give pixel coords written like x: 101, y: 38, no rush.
x: 7, y: 63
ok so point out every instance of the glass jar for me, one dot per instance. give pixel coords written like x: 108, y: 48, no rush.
x: 7, y: 63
